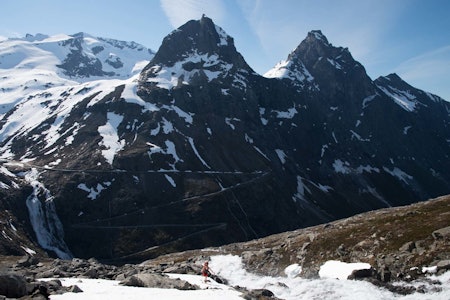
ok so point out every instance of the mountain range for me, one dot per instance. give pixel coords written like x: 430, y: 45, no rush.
x: 111, y: 150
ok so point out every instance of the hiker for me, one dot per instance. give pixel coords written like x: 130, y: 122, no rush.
x: 206, y: 271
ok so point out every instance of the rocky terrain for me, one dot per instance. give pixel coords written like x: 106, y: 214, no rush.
x: 397, y: 242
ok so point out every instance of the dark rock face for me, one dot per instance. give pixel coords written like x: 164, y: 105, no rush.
x: 203, y: 151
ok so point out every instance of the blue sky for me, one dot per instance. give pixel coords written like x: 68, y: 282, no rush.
x: 409, y: 37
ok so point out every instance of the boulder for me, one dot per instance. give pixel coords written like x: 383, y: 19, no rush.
x: 13, y: 285
x: 443, y: 265
x: 258, y: 294
x: 27, y: 261
x: 157, y: 281
x: 443, y: 233
x: 362, y: 273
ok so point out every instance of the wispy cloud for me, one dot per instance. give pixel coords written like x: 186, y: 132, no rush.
x: 431, y: 64
x: 429, y: 71
x: 179, y: 12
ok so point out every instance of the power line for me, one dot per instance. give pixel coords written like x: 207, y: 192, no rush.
x: 143, y: 210
x: 162, y: 171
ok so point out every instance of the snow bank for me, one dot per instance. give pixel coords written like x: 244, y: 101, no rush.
x: 99, y: 289
x: 340, y: 270
x: 231, y: 268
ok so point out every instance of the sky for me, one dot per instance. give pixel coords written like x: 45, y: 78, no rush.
x: 407, y: 37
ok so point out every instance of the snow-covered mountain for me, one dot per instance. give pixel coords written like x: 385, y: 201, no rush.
x: 38, y: 63
x: 198, y: 149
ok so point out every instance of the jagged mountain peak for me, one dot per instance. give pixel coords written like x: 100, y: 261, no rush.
x: 406, y: 96
x: 198, y: 50
x: 317, y: 36
x: 318, y: 65
x: 195, y: 35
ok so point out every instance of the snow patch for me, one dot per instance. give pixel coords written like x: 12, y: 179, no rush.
x: 289, y: 114
x: 341, y: 166
x: 301, y: 189
x: 262, y: 111
x: 367, y: 100
x: 334, y: 269
x: 406, y: 129
x: 403, y: 98
x: 334, y: 63
x: 191, y: 142
x: 110, y: 138
x: 293, y: 270
x: 396, y: 172
x: 228, y: 121
x: 181, y: 73
x: 281, y: 155
x: 170, y: 180
x: 358, y: 137
x: 94, y: 192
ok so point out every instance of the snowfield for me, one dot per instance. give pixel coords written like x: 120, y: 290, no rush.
x: 231, y: 268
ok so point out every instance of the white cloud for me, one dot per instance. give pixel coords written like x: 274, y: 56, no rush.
x: 179, y: 12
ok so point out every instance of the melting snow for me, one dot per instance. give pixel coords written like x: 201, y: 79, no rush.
x: 262, y: 111
x: 396, y: 172
x: 367, y: 100
x: 281, y: 155
x: 94, y: 192
x: 341, y: 166
x: 228, y: 122
x: 110, y: 136
x: 167, y: 126
x: 223, y: 36
x: 334, y: 63
x: 191, y: 142
x: 287, y: 69
x: 170, y: 150
x: 402, y: 98
x: 130, y: 96
x: 170, y: 180
x: 289, y: 114
x: 167, y: 77
x: 358, y: 137
x: 301, y: 188
x: 406, y: 129
x: 340, y: 270
x: 231, y: 268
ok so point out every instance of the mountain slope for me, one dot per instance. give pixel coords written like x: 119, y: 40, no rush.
x: 420, y: 240
x: 198, y: 149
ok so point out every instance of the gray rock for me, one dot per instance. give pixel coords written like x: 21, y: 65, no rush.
x: 443, y: 265
x: 407, y: 247
x: 13, y: 285
x: 258, y: 294
x: 363, y: 273
x: 75, y: 289
x: 443, y: 233
x: 91, y: 273
x: 27, y: 261
x: 157, y: 281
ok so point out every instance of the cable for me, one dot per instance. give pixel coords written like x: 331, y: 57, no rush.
x: 212, y: 172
